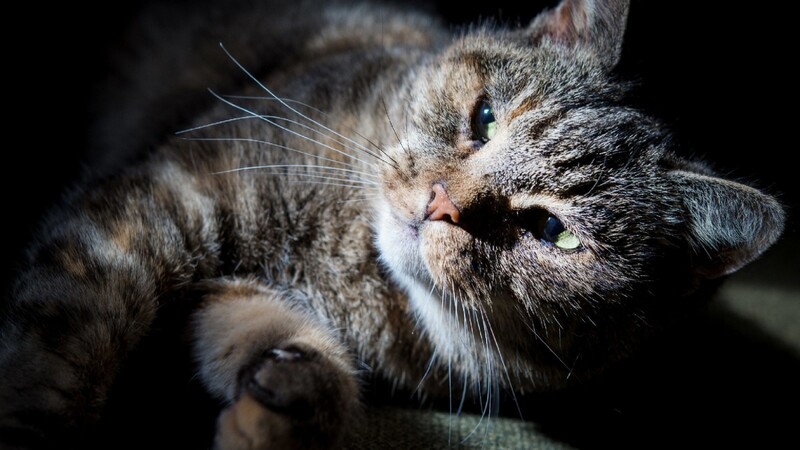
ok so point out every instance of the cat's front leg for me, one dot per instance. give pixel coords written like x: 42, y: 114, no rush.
x: 287, y: 381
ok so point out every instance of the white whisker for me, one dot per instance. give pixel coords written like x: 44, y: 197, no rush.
x: 288, y: 130
x: 503, y: 364
x: 214, y: 124
x: 289, y: 166
x: 463, y: 395
x: 391, y: 125
x: 290, y: 108
x: 280, y: 99
x: 547, y: 346
x: 306, y: 105
x: 343, y: 144
x: 485, y: 407
x: 323, y: 176
x: 449, y: 371
x: 425, y: 375
x: 327, y: 184
x: 360, y: 199
x: 316, y: 176
x: 279, y: 146
x: 269, y: 119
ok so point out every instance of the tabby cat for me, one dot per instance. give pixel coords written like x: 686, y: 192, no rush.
x: 381, y: 199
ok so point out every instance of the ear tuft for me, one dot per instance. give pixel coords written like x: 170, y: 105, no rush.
x: 595, y: 24
x: 730, y: 224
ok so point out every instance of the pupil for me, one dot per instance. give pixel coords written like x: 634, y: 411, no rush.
x: 486, y: 115
x: 483, y: 122
x: 552, y: 228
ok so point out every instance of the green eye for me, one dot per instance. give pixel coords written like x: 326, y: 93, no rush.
x: 484, y: 126
x: 555, y: 233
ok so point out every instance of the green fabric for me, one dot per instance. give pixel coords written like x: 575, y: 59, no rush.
x: 767, y: 294
x: 396, y: 428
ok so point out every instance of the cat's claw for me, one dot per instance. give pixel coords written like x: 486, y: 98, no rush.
x: 288, y: 354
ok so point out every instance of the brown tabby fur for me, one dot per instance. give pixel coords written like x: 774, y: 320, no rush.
x: 302, y: 231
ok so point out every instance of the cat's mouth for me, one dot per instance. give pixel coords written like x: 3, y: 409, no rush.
x: 431, y: 242
x: 408, y: 228
x: 419, y: 240
x: 422, y: 231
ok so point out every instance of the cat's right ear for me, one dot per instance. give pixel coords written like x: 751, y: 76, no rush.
x: 729, y: 223
x: 598, y: 25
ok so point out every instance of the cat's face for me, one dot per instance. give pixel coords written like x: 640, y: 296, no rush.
x: 526, y: 199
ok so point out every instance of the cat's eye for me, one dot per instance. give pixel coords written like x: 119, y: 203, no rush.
x: 483, y: 123
x: 548, y: 228
x: 555, y: 233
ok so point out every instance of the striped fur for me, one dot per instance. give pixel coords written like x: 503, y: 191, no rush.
x: 292, y: 221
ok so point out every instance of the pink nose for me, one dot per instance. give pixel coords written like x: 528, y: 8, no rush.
x: 441, y: 207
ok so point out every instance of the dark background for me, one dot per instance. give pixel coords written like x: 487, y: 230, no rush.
x: 719, y: 74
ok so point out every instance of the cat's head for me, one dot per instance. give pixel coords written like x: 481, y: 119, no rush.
x: 528, y: 209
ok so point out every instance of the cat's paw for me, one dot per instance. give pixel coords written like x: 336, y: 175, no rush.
x: 289, y: 398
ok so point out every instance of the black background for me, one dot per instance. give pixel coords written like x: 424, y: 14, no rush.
x: 719, y: 73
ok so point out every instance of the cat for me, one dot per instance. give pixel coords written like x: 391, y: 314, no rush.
x: 450, y: 213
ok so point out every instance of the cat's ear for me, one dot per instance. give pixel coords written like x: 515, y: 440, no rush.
x: 595, y: 24
x: 730, y: 224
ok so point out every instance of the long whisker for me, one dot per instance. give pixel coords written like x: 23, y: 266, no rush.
x: 503, y: 364
x: 471, y: 333
x: 321, y: 176
x: 306, y: 105
x: 322, y: 181
x: 547, y: 346
x: 319, y: 183
x: 488, y: 400
x: 214, y: 124
x: 389, y: 119
x: 290, y: 108
x: 359, y: 199
x: 285, y: 166
x: 434, y: 354
x: 449, y: 370
x: 302, y: 136
x: 492, y: 388
x: 427, y: 372
x: 282, y: 99
x: 314, y: 130
x: 282, y: 147
x: 463, y: 395
x: 269, y: 119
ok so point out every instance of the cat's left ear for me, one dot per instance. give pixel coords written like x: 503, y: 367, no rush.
x: 729, y: 223
x: 598, y: 25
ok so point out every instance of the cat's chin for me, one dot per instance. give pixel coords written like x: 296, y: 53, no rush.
x: 421, y: 257
x: 416, y: 252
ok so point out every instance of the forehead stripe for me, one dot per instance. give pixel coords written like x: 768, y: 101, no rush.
x: 527, y: 105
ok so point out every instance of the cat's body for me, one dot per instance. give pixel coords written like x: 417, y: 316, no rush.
x: 392, y: 205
